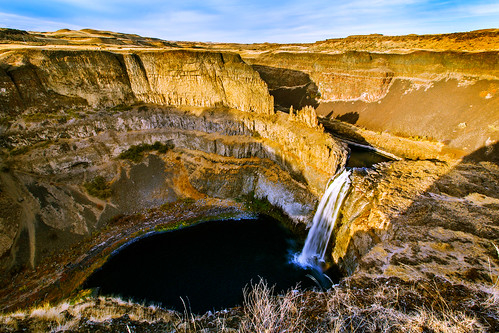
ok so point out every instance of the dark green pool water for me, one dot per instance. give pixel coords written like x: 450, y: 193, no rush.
x: 206, y: 266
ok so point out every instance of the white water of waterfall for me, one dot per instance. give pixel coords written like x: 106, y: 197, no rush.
x: 314, y: 250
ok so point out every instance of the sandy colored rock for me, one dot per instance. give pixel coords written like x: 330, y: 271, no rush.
x: 55, y: 79
x: 216, y: 153
x: 416, y: 220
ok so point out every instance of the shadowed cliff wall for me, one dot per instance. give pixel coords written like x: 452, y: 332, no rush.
x: 449, y: 97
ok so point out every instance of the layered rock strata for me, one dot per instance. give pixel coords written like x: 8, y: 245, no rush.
x: 445, y: 97
x: 67, y: 116
x: 415, y: 220
x: 404, y: 220
x: 217, y: 153
x: 54, y: 79
x: 366, y: 76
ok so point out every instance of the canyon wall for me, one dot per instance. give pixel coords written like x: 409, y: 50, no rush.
x: 366, y: 76
x: 68, y: 114
x: 445, y: 97
x: 421, y: 219
x: 308, y: 154
x: 214, y: 153
x: 406, y: 219
x: 45, y: 80
x: 69, y: 111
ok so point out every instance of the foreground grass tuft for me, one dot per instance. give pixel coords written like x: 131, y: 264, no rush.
x: 264, y: 312
x: 386, y: 305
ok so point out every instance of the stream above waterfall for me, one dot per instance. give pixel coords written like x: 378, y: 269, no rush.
x: 360, y: 157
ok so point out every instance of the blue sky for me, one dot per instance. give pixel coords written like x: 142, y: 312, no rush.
x: 249, y: 21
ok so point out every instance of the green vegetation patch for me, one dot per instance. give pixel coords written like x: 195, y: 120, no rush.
x: 99, y: 188
x: 256, y: 204
x: 121, y: 107
x: 5, y: 120
x: 263, y: 206
x: 39, y: 116
x: 20, y: 151
x: 25, y: 149
x: 135, y: 153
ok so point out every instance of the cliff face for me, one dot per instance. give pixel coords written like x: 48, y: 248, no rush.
x: 449, y: 97
x: 63, y: 129
x: 308, y: 154
x: 216, y: 153
x: 414, y: 220
x: 366, y: 76
x: 68, y: 114
x: 55, y: 79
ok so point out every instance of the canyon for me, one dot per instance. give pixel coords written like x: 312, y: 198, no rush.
x: 107, y: 137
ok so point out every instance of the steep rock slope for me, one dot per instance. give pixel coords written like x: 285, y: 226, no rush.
x: 449, y: 97
x: 68, y: 114
x: 213, y: 153
x: 415, y: 220
x: 353, y: 75
x: 54, y: 79
x: 403, y: 221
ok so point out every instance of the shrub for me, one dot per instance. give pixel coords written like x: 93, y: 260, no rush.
x: 255, y: 204
x: 6, y: 120
x: 99, y: 188
x: 20, y: 151
x: 39, y: 117
x: 121, y: 107
x: 61, y: 117
x: 135, y: 153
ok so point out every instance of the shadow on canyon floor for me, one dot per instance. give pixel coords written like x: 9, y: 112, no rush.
x: 289, y: 87
x: 350, y: 117
x: 350, y: 134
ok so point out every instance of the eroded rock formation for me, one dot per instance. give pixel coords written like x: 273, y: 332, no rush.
x: 418, y: 219
x: 54, y: 79
x: 446, y: 97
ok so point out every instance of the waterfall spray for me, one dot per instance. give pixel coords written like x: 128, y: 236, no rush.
x: 314, y: 250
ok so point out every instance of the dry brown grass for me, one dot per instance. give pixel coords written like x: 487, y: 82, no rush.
x: 66, y: 316
x: 387, y: 305
x: 493, y: 300
x: 382, y: 308
x: 267, y: 313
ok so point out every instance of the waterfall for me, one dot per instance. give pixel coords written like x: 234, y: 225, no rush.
x: 314, y: 250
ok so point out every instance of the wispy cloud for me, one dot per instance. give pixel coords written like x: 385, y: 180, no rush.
x: 253, y: 20
x: 485, y: 9
x: 31, y: 23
